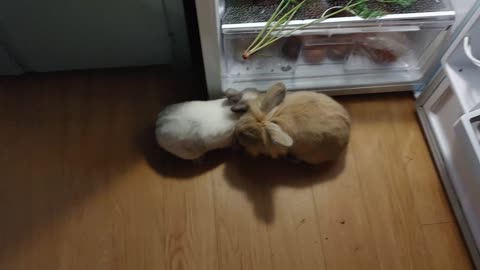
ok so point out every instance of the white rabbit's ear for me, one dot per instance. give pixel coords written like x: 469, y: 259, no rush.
x: 274, y: 96
x: 277, y: 135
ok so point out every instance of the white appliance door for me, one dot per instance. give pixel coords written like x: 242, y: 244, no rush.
x: 464, y: 10
x: 449, y: 110
x: 467, y: 132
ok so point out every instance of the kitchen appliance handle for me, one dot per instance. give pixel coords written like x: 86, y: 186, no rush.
x: 468, y: 51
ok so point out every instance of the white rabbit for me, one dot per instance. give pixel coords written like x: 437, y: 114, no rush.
x: 190, y: 129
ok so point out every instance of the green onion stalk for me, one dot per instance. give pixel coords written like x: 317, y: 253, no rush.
x: 287, y: 9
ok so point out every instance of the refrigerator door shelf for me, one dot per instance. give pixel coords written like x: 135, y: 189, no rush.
x: 460, y: 67
x: 467, y: 131
x: 330, y: 61
x: 251, y: 16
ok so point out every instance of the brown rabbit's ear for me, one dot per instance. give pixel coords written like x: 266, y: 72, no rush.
x: 233, y: 95
x: 240, y: 107
x: 277, y: 135
x: 274, y: 96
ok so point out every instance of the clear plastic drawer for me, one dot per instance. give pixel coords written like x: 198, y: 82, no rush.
x: 327, y: 55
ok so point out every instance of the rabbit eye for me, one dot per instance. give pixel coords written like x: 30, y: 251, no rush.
x: 251, y: 137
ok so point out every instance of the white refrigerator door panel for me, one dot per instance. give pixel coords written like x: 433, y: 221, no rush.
x: 439, y: 116
x: 467, y: 131
x: 449, y: 112
x: 462, y: 9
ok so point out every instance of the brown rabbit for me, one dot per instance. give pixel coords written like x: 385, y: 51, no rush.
x: 309, y: 126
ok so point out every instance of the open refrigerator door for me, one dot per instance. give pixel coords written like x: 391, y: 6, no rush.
x: 344, y: 53
x: 449, y: 110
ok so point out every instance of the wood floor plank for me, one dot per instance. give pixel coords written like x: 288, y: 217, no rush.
x: 117, y: 221
x: 15, y: 181
x: 428, y: 194
x: 46, y: 173
x: 185, y: 227
x: 241, y: 233
x: 342, y: 219
x: 446, y: 249
x: 385, y: 187
x: 190, y: 225
x: 294, y: 235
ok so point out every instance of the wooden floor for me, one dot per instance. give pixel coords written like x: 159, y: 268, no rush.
x: 83, y: 186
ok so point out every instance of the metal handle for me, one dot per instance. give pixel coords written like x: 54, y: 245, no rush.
x: 468, y: 51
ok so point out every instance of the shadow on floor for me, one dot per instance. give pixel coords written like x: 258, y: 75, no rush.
x: 259, y: 178
x: 168, y: 165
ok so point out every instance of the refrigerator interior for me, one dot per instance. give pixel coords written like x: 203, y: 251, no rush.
x: 344, y: 52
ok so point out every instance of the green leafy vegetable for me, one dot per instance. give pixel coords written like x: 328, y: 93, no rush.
x: 402, y: 3
x: 362, y: 10
x: 287, y: 9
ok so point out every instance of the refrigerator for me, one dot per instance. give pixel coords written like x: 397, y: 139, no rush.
x: 431, y: 48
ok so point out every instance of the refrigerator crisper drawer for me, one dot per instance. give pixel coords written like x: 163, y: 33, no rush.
x: 327, y: 61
